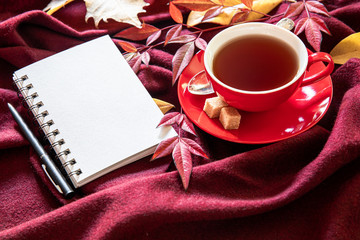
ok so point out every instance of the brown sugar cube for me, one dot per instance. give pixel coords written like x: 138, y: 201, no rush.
x: 230, y: 118
x: 213, y: 106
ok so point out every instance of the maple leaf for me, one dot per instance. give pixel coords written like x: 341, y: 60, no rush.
x: 125, y: 11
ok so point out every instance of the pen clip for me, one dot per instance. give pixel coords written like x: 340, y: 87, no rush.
x: 52, y: 181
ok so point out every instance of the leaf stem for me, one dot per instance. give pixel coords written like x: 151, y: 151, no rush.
x: 306, y: 8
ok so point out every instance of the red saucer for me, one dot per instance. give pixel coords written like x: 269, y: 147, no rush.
x: 299, y: 113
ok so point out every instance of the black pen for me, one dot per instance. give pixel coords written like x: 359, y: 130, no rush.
x: 49, y: 166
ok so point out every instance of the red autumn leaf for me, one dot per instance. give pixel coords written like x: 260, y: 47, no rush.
x: 181, y: 59
x: 193, y: 147
x: 187, y: 126
x: 165, y: 147
x: 201, y: 44
x: 317, y: 7
x: 175, y: 13
x: 153, y: 37
x: 300, y: 26
x: 212, y: 12
x: 321, y: 24
x: 145, y: 58
x: 248, y: 3
x: 173, y: 33
x: 240, y: 16
x: 313, y: 34
x: 195, y: 5
x: 183, y: 162
x: 128, y: 47
x: 137, y: 34
x: 170, y: 119
x: 182, y: 39
x: 135, y: 63
x: 294, y: 9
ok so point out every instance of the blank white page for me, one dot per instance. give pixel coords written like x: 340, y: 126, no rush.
x: 102, y: 110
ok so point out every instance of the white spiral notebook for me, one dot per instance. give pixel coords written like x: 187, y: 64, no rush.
x: 93, y: 109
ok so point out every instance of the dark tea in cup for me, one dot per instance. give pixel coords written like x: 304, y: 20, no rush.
x: 257, y: 66
x: 255, y: 63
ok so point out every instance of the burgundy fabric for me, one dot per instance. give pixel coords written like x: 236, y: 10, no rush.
x: 305, y: 187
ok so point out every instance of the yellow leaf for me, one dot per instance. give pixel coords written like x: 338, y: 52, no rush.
x: 164, y: 106
x: 260, y: 6
x: 227, y: 2
x: 348, y: 48
x: 125, y: 11
x: 55, y: 5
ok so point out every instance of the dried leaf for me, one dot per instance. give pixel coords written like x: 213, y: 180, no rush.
x: 145, y: 58
x: 153, y: 37
x: 212, y: 12
x: 181, y: 59
x: 187, y: 125
x: 165, y: 148
x: 173, y: 33
x: 56, y: 5
x: 193, y: 147
x: 227, y: 14
x: 317, y: 7
x: 294, y: 9
x: 313, y: 34
x: 175, y: 13
x: 348, y: 48
x: 262, y: 7
x: 182, y: 39
x: 183, y: 162
x: 164, y: 106
x: 201, y: 44
x: 170, y: 119
x: 195, y: 5
x: 119, y: 10
x: 126, y: 46
x: 248, y: 3
x: 137, y: 34
x: 240, y: 16
x: 227, y: 3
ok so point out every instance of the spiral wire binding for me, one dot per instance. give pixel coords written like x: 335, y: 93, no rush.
x: 34, y: 110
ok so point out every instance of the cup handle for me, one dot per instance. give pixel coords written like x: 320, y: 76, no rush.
x: 317, y: 57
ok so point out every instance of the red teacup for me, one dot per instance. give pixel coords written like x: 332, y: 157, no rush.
x: 261, y: 99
